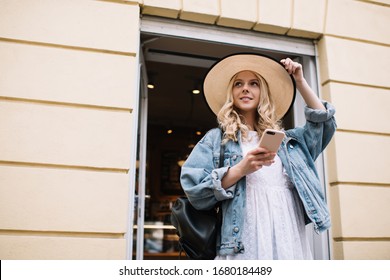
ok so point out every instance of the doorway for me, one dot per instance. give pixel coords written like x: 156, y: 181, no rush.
x: 177, y: 118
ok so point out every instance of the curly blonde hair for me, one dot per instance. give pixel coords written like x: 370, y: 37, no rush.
x: 231, y: 121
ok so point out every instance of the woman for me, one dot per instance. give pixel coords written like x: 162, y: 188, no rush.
x: 267, y: 198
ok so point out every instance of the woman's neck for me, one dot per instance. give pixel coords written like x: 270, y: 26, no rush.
x: 249, y: 120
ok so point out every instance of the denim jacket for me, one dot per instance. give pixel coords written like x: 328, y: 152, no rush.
x: 201, y: 176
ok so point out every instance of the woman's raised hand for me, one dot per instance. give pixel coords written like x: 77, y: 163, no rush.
x: 293, y: 68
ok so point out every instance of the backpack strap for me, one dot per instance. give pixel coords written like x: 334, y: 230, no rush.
x: 221, y: 151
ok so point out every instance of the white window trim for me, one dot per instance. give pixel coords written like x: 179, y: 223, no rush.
x: 184, y: 29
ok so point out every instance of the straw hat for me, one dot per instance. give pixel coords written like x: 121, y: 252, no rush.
x: 281, y: 84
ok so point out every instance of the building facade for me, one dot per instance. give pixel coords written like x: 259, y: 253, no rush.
x: 71, y: 111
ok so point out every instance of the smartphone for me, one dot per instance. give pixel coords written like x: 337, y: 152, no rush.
x: 271, y: 139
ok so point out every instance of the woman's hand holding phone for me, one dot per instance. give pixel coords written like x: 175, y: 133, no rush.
x: 255, y: 159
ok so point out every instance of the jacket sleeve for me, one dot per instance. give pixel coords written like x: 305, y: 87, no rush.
x: 319, y: 129
x: 200, y: 176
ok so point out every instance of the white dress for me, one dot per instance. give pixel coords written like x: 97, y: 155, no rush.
x: 274, y: 226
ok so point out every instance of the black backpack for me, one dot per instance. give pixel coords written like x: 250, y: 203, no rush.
x: 198, y: 229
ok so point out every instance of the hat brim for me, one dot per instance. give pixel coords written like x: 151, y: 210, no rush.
x: 281, y: 84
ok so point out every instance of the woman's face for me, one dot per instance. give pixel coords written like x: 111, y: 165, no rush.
x: 246, y: 92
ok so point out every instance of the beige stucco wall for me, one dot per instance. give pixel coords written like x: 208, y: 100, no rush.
x: 67, y: 93
x: 354, y: 57
x: 67, y: 83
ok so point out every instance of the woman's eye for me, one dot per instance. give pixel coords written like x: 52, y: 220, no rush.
x: 256, y: 84
x: 237, y: 84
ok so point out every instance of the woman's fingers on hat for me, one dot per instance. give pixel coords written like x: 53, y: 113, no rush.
x: 286, y: 61
x: 290, y: 65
